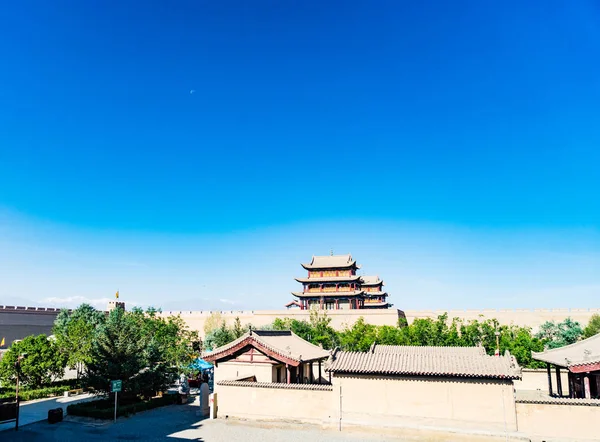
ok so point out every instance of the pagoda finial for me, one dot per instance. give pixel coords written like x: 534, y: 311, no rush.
x: 331, y: 252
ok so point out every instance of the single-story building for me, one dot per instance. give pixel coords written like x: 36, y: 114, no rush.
x: 450, y: 387
x: 269, y: 356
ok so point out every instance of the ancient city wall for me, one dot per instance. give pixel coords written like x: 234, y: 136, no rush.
x: 523, y: 317
x: 17, y: 322
x: 340, y: 318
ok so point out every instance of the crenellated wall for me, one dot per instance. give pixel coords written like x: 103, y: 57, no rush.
x: 523, y: 317
x: 17, y: 322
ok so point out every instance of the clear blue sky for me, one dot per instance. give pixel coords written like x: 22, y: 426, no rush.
x: 195, y: 141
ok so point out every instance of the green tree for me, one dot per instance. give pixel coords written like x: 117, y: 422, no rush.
x: 177, y: 345
x: 42, y: 362
x: 141, y: 348
x: 218, y: 337
x: 557, y: 335
x: 593, y: 327
x: 119, y: 352
x: 321, y: 331
x: 74, y: 333
x: 520, y: 342
x: 359, y: 337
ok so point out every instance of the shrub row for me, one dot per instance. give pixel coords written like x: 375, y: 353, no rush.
x: 104, y: 408
x: 39, y: 393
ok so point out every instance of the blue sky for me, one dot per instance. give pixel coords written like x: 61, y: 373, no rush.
x: 192, y: 154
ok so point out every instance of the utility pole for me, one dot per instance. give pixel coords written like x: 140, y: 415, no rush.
x: 497, y: 343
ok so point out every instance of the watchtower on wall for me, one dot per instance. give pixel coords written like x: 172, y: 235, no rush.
x: 332, y: 284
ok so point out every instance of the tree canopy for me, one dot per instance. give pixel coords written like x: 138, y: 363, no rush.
x: 593, y: 327
x: 74, y: 332
x: 42, y: 362
x: 142, y: 349
x: 559, y: 334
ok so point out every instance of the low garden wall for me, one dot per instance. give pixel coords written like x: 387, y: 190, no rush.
x: 559, y: 419
x: 271, y: 401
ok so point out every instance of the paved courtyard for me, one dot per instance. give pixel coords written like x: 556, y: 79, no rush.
x: 178, y: 423
x: 35, y: 411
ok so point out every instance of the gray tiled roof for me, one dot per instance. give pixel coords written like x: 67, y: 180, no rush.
x: 414, y: 350
x: 330, y: 262
x: 586, y: 351
x: 426, y: 361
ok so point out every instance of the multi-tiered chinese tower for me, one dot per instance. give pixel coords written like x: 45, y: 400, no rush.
x: 332, y: 284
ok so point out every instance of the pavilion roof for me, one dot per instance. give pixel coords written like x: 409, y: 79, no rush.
x: 328, y: 294
x: 575, y: 356
x: 375, y: 304
x: 331, y: 262
x: 371, y: 280
x: 329, y: 279
x: 426, y: 361
x: 375, y: 293
x: 284, y: 346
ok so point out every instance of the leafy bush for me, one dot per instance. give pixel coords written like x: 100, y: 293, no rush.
x: 104, y: 408
x: 39, y: 393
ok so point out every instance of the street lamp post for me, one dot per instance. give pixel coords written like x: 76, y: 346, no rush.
x: 497, y: 343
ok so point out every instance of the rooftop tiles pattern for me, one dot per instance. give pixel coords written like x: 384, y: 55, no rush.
x: 426, y: 361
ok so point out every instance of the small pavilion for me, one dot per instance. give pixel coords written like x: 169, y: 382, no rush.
x: 582, y: 360
x: 269, y: 356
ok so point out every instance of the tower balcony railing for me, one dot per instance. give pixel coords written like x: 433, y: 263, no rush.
x: 329, y: 289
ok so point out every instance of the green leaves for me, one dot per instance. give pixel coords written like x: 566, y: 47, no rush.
x: 74, y: 333
x: 41, y: 364
x: 593, y: 327
x: 560, y: 334
x: 142, y: 349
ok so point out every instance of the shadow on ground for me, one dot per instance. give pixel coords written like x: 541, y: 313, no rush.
x: 173, y: 423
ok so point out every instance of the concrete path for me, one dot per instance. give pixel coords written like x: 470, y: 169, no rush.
x: 35, y: 411
x: 181, y: 423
